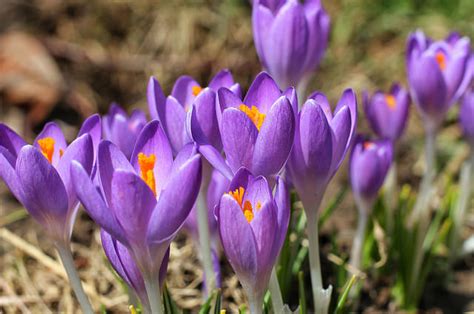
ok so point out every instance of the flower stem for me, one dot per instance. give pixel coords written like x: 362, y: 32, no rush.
x: 277, y: 300
x: 358, y: 243
x: 68, y: 263
x: 255, y: 303
x: 301, y: 89
x: 152, y: 286
x: 205, y: 243
x: 321, y: 296
x: 390, y: 188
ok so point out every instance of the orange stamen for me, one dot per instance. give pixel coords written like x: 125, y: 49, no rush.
x: 196, y: 90
x: 391, y: 101
x: 146, y: 164
x: 248, y: 211
x: 47, y: 147
x: 246, y: 207
x: 254, y: 114
x: 368, y: 145
x: 238, y: 195
x: 441, y: 60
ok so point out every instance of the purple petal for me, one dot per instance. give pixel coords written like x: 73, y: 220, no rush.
x: 155, y: 97
x: 175, y: 202
x: 349, y: 99
x: 204, y: 125
x: 282, y: 200
x: 257, y: 191
x: 183, y: 90
x: 93, y: 127
x: 222, y: 79
x: 172, y: 118
x: 8, y: 174
x: 341, y: 127
x: 262, y: 19
x: 10, y: 140
x: 275, y: 139
x: 239, y: 135
x: 216, y: 160
x: 323, y: 102
x: 262, y: 93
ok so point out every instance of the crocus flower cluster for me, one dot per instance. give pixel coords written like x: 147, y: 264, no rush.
x: 438, y: 73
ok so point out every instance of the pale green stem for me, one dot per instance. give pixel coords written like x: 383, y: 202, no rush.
x: 358, y: 243
x: 255, y: 303
x: 321, y: 296
x: 68, y: 263
x: 152, y: 286
x: 274, y: 287
x: 390, y: 188
x: 205, y: 243
x: 301, y: 89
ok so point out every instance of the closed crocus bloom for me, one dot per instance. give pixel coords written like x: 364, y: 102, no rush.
x: 123, y: 130
x: 322, y: 139
x: 126, y: 268
x: 38, y: 175
x: 252, y: 225
x: 144, y: 201
x: 290, y: 37
x: 257, y: 133
x: 370, y: 161
x: 466, y: 116
x: 171, y: 111
x: 388, y: 112
x: 438, y: 73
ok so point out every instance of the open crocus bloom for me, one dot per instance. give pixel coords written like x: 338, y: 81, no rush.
x: 172, y: 111
x: 290, y: 36
x: 144, y: 201
x: 438, y: 73
x: 38, y: 174
x: 126, y: 268
x: 121, y: 129
x: 322, y: 139
x: 387, y: 113
x: 252, y: 225
x: 257, y: 133
x: 370, y: 162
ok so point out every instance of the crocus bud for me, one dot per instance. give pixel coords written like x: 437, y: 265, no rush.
x: 142, y: 202
x: 388, y: 112
x: 438, y: 73
x: 257, y: 133
x: 252, y: 225
x: 123, y: 130
x: 322, y: 139
x: 290, y: 37
x: 38, y: 175
x: 466, y: 116
x: 172, y: 111
x: 126, y: 268
x: 370, y: 162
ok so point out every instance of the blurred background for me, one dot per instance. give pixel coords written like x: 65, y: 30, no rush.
x: 63, y: 60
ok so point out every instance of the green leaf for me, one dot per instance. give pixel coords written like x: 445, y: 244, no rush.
x: 169, y: 305
x: 301, y: 291
x: 341, y: 303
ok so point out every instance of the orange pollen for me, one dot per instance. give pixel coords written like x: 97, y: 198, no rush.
x: 238, y: 195
x: 246, y: 206
x: 441, y: 60
x: 254, y: 114
x: 368, y: 145
x: 196, y: 90
x: 146, y: 164
x: 47, y: 147
x: 391, y: 101
x: 248, y: 211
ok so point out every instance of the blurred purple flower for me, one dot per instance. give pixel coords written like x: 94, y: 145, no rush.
x: 369, y: 164
x: 126, y: 268
x: 144, y: 201
x: 123, y: 130
x: 38, y: 175
x: 438, y: 73
x: 172, y: 111
x: 290, y: 37
x: 466, y: 116
x: 388, y: 112
x: 252, y: 226
x: 257, y: 133
x: 321, y: 143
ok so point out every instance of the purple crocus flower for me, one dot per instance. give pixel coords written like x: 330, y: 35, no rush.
x: 438, y: 73
x: 121, y: 129
x: 290, y: 37
x: 171, y: 111
x: 252, y: 226
x: 257, y: 133
x: 126, y: 268
x: 370, y: 162
x: 388, y: 112
x: 322, y: 139
x: 466, y: 116
x: 38, y: 175
x: 144, y: 201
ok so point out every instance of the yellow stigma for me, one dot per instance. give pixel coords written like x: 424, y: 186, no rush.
x: 238, y: 195
x: 441, y: 60
x: 254, y: 114
x: 196, y: 90
x: 368, y: 145
x: 391, y: 101
x: 132, y: 309
x: 47, y: 147
x: 146, y: 164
